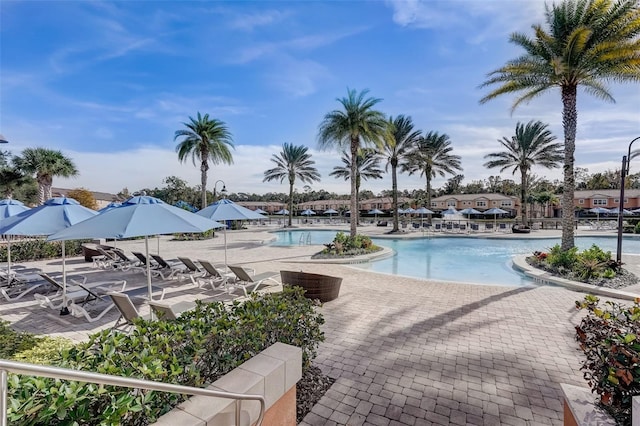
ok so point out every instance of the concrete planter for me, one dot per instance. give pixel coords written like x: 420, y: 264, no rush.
x: 272, y: 373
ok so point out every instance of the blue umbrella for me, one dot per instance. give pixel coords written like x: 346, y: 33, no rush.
x: 139, y: 216
x: 375, y: 213
x: 422, y: 211
x: 617, y: 210
x: 260, y: 211
x: 227, y: 210
x: 10, y: 207
x: 308, y: 212
x: 495, y: 212
x: 469, y: 211
x: 109, y: 206
x: 450, y: 210
x: 54, y: 215
x: 330, y: 212
x: 282, y: 212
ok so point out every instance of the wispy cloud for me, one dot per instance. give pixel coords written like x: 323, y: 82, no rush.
x: 249, y: 22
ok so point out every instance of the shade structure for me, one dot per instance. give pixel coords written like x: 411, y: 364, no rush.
x: 636, y: 211
x: 260, y: 211
x: 228, y: 210
x: 282, y: 212
x: 495, y: 212
x: 450, y: 210
x: 375, y: 213
x: 330, y: 212
x: 469, y: 211
x: 307, y: 212
x: 109, y: 206
x: 599, y: 210
x: 617, y: 210
x: 139, y: 216
x: 10, y: 207
x: 409, y: 210
x: 54, y: 215
x: 423, y: 210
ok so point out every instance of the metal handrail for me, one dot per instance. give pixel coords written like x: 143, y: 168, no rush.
x: 106, y: 379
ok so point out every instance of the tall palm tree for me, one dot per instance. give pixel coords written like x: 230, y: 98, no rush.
x: 532, y: 145
x: 46, y: 164
x: 357, y: 125
x: 587, y: 43
x: 399, y: 140
x: 291, y: 163
x: 432, y: 156
x: 367, y: 167
x: 206, y: 140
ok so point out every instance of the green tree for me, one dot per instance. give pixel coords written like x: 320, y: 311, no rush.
x: 532, y: 145
x: 205, y: 140
x: 398, y: 142
x: 432, y: 156
x: 587, y: 43
x: 45, y: 164
x: 291, y: 163
x: 367, y: 167
x: 357, y: 125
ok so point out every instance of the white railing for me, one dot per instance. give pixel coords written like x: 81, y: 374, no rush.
x: 105, y: 379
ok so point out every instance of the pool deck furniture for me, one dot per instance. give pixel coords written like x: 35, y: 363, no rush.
x: 317, y: 286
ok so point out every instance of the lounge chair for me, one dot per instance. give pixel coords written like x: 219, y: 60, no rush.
x: 128, y: 312
x: 143, y: 261
x: 76, y: 292
x: 167, y: 269
x: 105, y: 259
x: 126, y: 263
x: 215, y: 277
x: 244, y: 280
x: 170, y: 312
x: 192, y: 271
x: 16, y: 288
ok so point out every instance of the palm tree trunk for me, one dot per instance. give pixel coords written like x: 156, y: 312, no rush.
x: 569, y: 120
x: 290, y: 203
x: 428, y: 175
x: 204, y: 166
x: 523, y: 196
x: 357, y: 213
x: 394, y: 194
x: 41, y: 192
x: 354, y: 189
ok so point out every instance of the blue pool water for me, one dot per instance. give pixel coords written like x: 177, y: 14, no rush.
x: 474, y: 260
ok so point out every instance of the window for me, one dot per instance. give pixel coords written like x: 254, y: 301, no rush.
x: 599, y: 202
x: 505, y: 204
x: 581, y: 201
x: 481, y: 203
x: 434, y: 204
x: 452, y: 203
x: 617, y: 200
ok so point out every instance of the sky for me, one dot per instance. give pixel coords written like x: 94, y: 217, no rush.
x: 109, y: 83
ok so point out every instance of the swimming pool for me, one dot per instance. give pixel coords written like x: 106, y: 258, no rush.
x: 475, y: 260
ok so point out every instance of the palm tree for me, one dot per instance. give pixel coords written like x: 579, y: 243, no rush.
x: 204, y: 139
x: 432, y: 156
x: 367, y: 167
x: 399, y: 140
x: 588, y: 43
x: 45, y: 164
x: 291, y: 163
x: 532, y: 145
x: 357, y: 124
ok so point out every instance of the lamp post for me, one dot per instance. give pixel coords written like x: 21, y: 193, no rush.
x: 223, y: 191
x: 626, y: 160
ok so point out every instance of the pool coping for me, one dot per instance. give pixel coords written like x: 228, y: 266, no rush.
x: 543, y: 277
x: 365, y: 258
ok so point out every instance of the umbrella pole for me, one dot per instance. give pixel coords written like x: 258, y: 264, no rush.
x: 146, y: 247
x: 64, y: 310
x: 9, y: 259
x: 225, y: 243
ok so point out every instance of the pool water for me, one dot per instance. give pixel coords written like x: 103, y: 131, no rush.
x: 474, y: 260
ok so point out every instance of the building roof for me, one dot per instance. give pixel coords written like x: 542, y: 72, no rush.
x: 471, y: 197
x: 590, y: 193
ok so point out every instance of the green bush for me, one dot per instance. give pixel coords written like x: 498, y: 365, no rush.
x: 194, y: 350
x: 636, y: 230
x: 608, y: 336
x: 12, y: 342
x: 46, y: 351
x: 559, y: 258
x: 345, y: 245
x: 37, y: 249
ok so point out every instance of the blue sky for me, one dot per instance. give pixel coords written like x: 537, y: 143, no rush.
x: 109, y: 83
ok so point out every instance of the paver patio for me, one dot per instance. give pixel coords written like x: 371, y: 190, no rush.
x: 403, y: 351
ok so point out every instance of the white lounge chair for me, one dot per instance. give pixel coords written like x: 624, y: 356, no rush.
x: 247, y: 281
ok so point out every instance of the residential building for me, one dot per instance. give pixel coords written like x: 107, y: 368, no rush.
x: 319, y: 206
x: 607, y: 198
x: 102, y: 198
x: 268, y: 206
x: 480, y: 202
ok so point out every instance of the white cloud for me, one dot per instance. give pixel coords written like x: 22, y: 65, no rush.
x: 249, y: 22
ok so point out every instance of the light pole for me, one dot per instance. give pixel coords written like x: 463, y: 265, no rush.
x: 223, y: 191
x: 626, y: 160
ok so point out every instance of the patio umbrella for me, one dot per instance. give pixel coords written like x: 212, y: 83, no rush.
x: 139, y: 216
x: 422, y: 211
x: 469, y: 211
x: 54, y: 215
x: 10, y: 207
x: 308, y: 212
x: 495, y: 212
x: 617, y: 210
x: 450, y: 210
x: 109, y: 206
x: 224, y: 210
x: 598, y: 211
x: 282, y: 212
x: 260, y: 211
x: 375, y: 213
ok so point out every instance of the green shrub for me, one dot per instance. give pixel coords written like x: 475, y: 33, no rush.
x: 345, y: 245
x: 194, y: 350
x: 608, y: 336
x: 559, y: 258
x: 636, y: 230
x: 37, y: 249
x: 46, y: 351
x: 12, y: 342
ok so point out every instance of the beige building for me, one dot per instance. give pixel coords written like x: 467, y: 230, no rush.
x: 267, y: 206
x: 480, y: 202
x: 607, y: 198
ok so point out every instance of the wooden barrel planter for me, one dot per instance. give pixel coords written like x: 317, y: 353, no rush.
x: 317, y: 286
